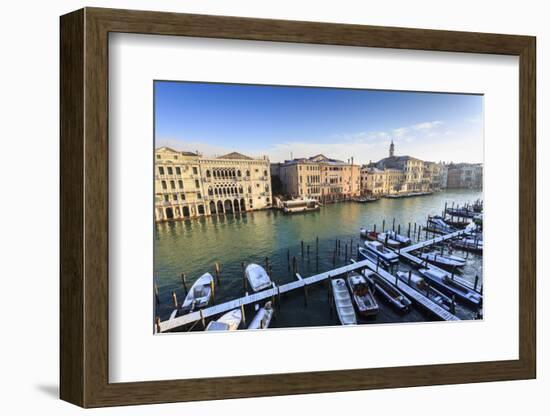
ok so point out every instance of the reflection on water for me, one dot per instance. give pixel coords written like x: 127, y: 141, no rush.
x: 193, y: 246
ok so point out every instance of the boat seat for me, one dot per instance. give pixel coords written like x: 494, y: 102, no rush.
x: 199, y: 292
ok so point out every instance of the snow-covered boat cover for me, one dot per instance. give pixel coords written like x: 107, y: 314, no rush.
x: 342, y: 299
x: 257, y: 277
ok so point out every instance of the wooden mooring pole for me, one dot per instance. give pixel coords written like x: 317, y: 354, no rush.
x: 244, y: 277
x: 183, y: 282
x: 218, y: 273
x: 175, y: 299
x: 157, y: 294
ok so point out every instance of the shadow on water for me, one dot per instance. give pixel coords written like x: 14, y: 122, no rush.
x: 194, y: 246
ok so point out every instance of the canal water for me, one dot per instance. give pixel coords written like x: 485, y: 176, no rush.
x: 194, y: 246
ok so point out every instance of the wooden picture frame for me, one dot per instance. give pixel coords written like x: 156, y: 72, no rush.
x: 84, y: 207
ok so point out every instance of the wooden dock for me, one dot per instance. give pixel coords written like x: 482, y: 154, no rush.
x: 405, y: 253
x: 415, y: 296
x: 427, y: 243
x: 272, y: 293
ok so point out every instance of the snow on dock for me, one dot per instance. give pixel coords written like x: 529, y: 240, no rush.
x: 417, y: 297
x: 257, y: 297
x: 435, y: 240
x: 405, y: 253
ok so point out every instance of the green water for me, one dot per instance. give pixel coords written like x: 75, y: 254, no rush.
x: 193, y: 247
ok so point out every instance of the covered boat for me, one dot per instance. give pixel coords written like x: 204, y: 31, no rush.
x: 262, y: 319
x: 438, y: 225
x: 403, y: 240
x: 257, y: 277
x: 447, y: 284
x: 362, y: 295
x: 384, y: 238
x: 419, y: 284
x: 390, y: 293
x: 460, y: 212
x: 444, y: 260
x: 228, y: 322
x: 375, y: 250
x: 342, y: 302
x: 199, y: 294
x: 469, y: 244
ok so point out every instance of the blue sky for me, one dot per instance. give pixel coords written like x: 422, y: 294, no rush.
x: 279, y: 121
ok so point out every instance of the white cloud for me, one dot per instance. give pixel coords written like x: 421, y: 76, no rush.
x: 363, y: 146
x: 428, y: 125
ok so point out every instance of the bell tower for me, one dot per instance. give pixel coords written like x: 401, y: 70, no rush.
x: 392, y: 148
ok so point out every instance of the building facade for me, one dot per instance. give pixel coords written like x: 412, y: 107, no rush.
x: 319, y: 177
x: 188, y: 185
x: 465, y: 175
x: 394, y: 175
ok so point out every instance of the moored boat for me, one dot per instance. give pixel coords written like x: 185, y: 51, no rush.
x: 403, y: 240
x: 419, y: 284
x: 262, y: 319
x: 438, y: 225
x: 375, y: 251
x: 443, y: 260
x: 227, y: 322
x: 384, y: 238
x: 257, y: 277
x: 444, y: 281
x: 460, y: 212
x: 343, y: 303
x: 362, y: 296
x: 365, y: 199
x: 199, y: 294
x: 390, y: 293
x: 469, y: 244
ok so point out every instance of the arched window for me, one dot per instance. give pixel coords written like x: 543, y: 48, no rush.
x: 239, y: 173
x: 241, y: 190
x: 208, y: 173
x: 210, y: 191
x: 249, y: 189
x: 247, y: 173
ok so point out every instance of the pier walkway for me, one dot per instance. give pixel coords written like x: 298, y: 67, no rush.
x: 405, y: 253
x: 275, y: 291
x: 426, y: 243
x: 413, y: 294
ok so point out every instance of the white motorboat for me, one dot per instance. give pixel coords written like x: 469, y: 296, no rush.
x: 437, y: 224
x: 445, y: 282
x: 228, y: 322
x: 419, y: 284
x: 385, y: 238
x: 401, y: 239
x: 262, y: 319
x: 390, y: 293
x: 257, y: 277
x: 343, y: 303
x: 199, y: 294
x: 362, y: 295
x: 375, y: 250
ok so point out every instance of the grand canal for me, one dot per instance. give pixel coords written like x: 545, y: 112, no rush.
x: 194, y: 246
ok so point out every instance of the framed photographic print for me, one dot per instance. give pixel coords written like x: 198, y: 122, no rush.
x: 269, y: 207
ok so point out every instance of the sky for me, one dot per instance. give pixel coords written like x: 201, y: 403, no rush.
x: 283, y: 122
